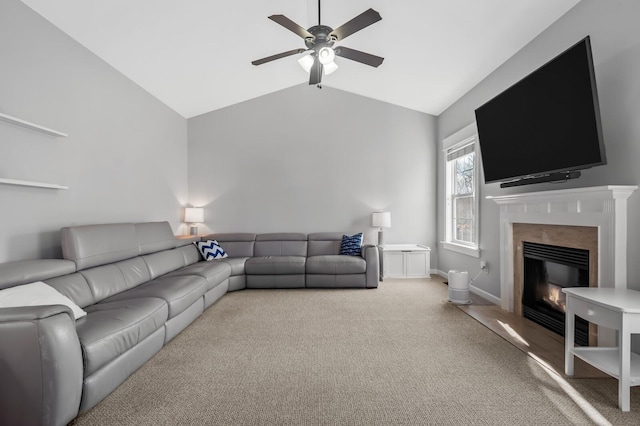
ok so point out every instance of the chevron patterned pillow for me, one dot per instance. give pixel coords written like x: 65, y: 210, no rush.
x: 210, y: 250
x: 351, y: 245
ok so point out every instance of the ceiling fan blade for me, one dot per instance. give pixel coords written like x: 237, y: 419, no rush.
x: 358, y: 56
x: 290, y: 25
x: 278, y: 56
x: 315, y: 76
x: 361, y: 21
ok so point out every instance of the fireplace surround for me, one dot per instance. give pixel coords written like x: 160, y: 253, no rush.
x: 597, y: 214
x: 541, y: 238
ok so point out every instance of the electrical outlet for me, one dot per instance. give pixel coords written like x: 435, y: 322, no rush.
x: 484, y: 267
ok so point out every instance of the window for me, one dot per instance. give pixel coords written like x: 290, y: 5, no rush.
x: 461, y: 194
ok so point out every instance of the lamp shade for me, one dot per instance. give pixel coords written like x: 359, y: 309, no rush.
x: 329, y: 68
x: 326, y: 55
x: 194, y: 214
x: 381, y: 219
x: 306, y: 62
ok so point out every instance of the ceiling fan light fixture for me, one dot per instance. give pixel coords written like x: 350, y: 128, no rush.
x: 319, y: 55
x: 329, y: 68
x: 326, y: 55
x: 306, y: 62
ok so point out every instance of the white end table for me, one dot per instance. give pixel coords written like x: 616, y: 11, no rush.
x: 618, y: 309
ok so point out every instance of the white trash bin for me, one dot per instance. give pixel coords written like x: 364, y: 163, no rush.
x: 459, y: 287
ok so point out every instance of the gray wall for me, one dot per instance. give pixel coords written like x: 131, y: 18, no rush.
x: 615, y: 41
x: 126, y: 155
x: 310, y: 160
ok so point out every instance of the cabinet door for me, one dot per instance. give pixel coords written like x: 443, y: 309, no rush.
x: 393, y: 264
x: 417, y: 264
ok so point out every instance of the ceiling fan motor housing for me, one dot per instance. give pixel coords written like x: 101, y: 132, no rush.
x: 321, y: 37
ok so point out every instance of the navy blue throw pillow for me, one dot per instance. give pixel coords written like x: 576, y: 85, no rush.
x: 351, y: 245
x: 210, y: 250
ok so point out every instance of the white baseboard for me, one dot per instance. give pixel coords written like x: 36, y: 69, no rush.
x: 490, y: 297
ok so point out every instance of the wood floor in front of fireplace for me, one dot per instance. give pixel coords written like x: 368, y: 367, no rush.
x: 527, y: 336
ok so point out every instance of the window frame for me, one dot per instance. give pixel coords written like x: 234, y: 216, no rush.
x: 468, y: 136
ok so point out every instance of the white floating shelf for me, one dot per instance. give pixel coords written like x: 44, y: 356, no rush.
x: 29, y: 183
x: 32, y: 126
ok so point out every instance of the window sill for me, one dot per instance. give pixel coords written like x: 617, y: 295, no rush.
x: 459, y: 248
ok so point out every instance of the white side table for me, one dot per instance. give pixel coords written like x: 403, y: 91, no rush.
x: 406, y: 261
x: 618, y: 309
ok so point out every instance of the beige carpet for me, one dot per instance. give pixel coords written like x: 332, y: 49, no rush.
x: 397, y: 355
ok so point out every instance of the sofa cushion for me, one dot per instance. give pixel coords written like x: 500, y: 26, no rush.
x: 107, y: 280
x: 75, y: 287
x: 336, y: 264
x: 154, y: 236
x: 237, y: 244
x: 95, y: 245
x: 281, y: 244
x: 112, y: 328
x: 351, y: 245
x: 190, y: 253
x: 213, y: 272
x: 321, y: 243
x: 179, y: 292
x: 163, y: 262
x: 275, y: 265
x: 236, y: 263
x: 210, y: 250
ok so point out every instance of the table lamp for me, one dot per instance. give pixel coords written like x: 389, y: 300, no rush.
x: 193, y: 216
x: 381, y: 220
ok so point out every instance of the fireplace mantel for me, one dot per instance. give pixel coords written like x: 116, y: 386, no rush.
x: 604, y: 207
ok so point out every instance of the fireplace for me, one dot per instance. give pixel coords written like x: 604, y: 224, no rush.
x: 565, y: 217
x: 547, y: 270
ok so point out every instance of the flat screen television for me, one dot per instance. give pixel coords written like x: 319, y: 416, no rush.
x: 545, y: 127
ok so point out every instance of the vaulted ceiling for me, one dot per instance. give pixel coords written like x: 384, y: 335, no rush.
x: 195, y: 55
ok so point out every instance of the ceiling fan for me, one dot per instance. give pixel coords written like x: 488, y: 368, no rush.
x: 319, y: 40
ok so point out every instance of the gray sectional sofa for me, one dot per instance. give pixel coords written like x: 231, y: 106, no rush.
x: 140, y: 286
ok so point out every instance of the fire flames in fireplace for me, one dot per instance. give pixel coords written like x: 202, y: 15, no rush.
x: 555, y: 297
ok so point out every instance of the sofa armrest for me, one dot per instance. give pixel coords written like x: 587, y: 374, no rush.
x: 31, y: 313
x: 371, y: 256
x: 40, y: 366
